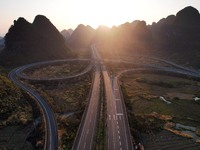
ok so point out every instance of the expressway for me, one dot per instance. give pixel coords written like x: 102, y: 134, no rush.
x: 51, y: 136
x: 85, y: 136
x: 118, y: 132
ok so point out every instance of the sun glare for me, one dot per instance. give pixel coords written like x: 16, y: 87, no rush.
x: 105, y: 12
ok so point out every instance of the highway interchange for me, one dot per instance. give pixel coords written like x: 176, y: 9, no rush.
x: 118, y: 131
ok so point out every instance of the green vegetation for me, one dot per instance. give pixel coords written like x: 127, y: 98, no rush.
x: 148, y: 113
x: 68, y: 128
x: 14, y: 107
x: 16, y: 117
x: 57, y: 71
x: 100, y: 139
x: 66, y: 97
x: 158, y: 83
x: 68, y: 101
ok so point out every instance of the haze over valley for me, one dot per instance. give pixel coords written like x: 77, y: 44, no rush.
x: 129, y: 85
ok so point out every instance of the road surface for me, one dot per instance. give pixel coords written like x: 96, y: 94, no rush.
x: 85, y: 136
x: 19, y: 71
x: 118, y: 132
x: 51, y: 140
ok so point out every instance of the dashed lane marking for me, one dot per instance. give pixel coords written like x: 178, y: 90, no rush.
x: 109, y: 117
x: 119, y: 114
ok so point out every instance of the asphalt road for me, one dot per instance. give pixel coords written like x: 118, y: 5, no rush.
x: 85, y: 135
x: 51, y: 139
x: 118, y: 132
x: 51, y: 142
x: 19, y: 71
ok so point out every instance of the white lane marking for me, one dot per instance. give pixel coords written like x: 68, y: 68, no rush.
x: 119, y: 114
x: 109, y: 117
x: 117, y: 99
x: 119, y: 137
x: 120, y: 143
x: 118, y: 131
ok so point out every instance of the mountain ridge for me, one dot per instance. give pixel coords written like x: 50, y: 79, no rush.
x: 30, y: 42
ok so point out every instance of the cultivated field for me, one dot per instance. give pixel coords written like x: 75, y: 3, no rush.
x: 161, y: 105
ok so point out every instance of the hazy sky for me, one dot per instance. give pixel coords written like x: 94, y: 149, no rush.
x: 66, y: 14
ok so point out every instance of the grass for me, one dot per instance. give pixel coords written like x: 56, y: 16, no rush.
x: 63, y: 99
x: 66, y: 97
x: 100, y: 136
x: 16, y: 115
x: 14, y: 106
x: 68, y: 128
x: 57, y: 71
x: 142, y: 91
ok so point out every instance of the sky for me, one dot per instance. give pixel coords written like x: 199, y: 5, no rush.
x: 65, y: 14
